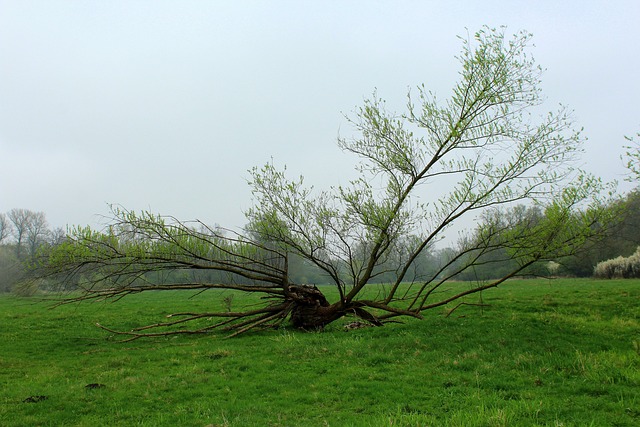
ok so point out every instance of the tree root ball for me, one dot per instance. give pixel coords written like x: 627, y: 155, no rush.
x: 311, y: 310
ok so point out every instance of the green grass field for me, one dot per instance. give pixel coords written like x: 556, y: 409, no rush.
x: 546, y: 353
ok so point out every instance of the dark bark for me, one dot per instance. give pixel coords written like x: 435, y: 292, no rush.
x: 312, y: 311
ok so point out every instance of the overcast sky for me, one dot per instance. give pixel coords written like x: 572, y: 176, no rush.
x: 165, y: 105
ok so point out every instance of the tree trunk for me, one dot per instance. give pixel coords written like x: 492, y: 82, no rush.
x: 311, y: 309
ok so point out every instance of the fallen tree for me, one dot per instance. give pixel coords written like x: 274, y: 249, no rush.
x: 476, y: 155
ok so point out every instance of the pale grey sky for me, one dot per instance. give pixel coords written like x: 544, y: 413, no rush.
x: 164, y: 105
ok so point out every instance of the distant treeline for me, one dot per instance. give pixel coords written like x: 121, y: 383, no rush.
x: 25, y: 235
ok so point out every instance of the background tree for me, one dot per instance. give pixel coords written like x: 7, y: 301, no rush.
x: 421, y: 172
x: 30, y: 234
x: 56, y: 236
x: 37, y: 231
x: 20, y: 221
x: 494, y: 262
x: 30, y: 230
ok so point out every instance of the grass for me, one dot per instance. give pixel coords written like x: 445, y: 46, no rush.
x: 545, y: 353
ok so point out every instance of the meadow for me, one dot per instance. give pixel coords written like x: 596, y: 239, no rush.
x: 538, y: 353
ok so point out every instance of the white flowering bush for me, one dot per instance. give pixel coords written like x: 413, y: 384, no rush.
x: 619, y: 268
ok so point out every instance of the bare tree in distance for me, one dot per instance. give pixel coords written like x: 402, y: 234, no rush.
x: 30, y: 230
x: 478, y: 153
x: 56, y: 236
x: 20, y: 222
x: 31, y: 236
x: 38, y: 232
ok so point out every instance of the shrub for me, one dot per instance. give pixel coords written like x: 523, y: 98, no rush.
x: 619, y: 268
